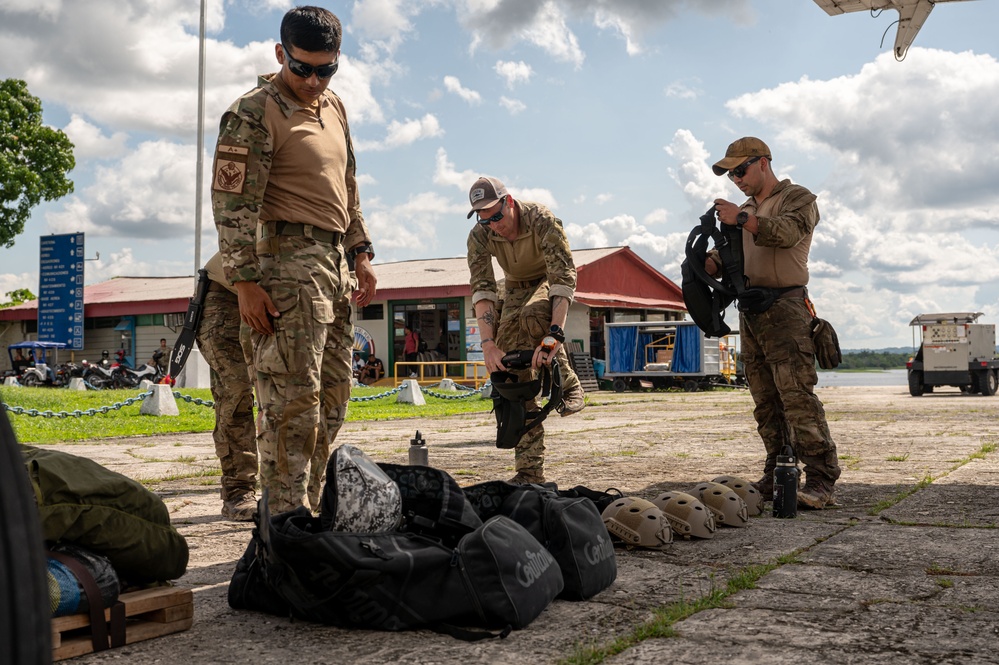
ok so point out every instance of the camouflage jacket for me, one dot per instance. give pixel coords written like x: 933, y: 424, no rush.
x: 264, y: 170
x: 541, y: 250
x: 777, y: 256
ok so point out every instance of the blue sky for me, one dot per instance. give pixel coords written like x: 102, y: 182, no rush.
x: 609, y: 111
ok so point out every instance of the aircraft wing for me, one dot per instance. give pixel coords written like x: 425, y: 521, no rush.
x: 911, y: 15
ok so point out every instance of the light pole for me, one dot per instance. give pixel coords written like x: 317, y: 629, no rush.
x: 201, y: 142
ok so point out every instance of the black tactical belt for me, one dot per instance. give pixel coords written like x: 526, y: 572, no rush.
x: 282, y: 228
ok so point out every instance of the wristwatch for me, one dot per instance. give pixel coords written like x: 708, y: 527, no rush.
x: 741, y: 219
x: 365, y: 248
x: 557, y: 332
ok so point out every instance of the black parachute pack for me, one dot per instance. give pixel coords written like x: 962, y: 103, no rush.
x: 444, y: 568
x: 511, y: 397
x: 706, y: 297
x: 570, y: 527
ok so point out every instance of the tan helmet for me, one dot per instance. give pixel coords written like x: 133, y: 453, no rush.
x: 638, y: 523
x: 686, y: 514
x: 754, y: 500
x: 728, y: 507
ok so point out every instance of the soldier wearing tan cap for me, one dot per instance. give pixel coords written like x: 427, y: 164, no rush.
x: 531, y: 247
x: 777, y: 223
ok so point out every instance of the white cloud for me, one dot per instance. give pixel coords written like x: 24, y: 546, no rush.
x: 513, y: 72
x: 604, y: 198
x: 423, y: 215
x: 404, y: 133
x: 445, y: 173
x: 514, y: 106
x: 149, y: 195
x: 90, y: 142
x: 684, y: 89
x: 453, y: 85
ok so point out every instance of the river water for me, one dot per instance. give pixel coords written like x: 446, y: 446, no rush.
x: 888, y: 377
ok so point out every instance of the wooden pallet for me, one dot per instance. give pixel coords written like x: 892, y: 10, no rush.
x: 149, y: 613
x: 582, y: 363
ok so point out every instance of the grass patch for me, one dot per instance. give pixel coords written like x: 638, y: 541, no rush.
x: 126, y: 421
x: 664, y: 618
x: 897, y: 458
x: 885, y: 504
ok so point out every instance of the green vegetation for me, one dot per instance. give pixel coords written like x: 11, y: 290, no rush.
x: 873, y: 360
x: 34, y: 159
x: 126, y: 421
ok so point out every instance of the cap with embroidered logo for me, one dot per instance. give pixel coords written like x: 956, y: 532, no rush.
x: 485, y: 193
x: 739, y: 151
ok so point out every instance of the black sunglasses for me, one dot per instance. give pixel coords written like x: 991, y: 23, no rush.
x: 305, y: 70
x: 740, y: 170
x: 495, y: 218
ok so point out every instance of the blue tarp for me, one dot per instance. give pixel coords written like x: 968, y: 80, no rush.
x: 622, y: 343
x: 687, y: 349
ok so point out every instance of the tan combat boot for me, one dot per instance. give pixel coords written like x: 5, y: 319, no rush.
x: 817, y: 493
x: 240, y: 508
x: 572, y: 402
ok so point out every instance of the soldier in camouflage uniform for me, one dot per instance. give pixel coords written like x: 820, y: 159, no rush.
x: 284, y: 168
x: 232, y: 391
x: 540, y: 279
x: 777, y: 349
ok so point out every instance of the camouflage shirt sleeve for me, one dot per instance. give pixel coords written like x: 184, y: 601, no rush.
x: 357, y: 229
x: 480, y: 266
x: 558, y: 256
x: 797, y: 216
x: 241, y: 168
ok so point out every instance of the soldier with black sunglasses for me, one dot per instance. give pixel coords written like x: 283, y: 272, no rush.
x: 284, y: 193
x: 531, y: 247
x: 777, y: 223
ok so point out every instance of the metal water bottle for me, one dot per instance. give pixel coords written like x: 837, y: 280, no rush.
x: 786, y: 484
x: 418, y: 454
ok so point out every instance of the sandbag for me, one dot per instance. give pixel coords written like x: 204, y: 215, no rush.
x: 81, y: 502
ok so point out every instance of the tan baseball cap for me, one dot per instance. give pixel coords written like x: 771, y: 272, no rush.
x: 739, y: 151
x: 486, y: 192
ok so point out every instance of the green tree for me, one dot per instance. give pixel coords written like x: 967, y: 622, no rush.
x: 18, y: 296
x: 34, y: 159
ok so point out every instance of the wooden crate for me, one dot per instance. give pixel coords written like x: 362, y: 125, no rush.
x: 148, y: 613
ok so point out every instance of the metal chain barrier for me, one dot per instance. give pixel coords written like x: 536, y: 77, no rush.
x: 77, y: 413
x: 472, y: 392
x: 196, y: 400
x: 378, y: 396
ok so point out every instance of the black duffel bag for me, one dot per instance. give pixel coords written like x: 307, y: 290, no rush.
x: 570, y: 527
x: 497, y: 577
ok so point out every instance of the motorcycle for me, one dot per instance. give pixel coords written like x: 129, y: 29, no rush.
x: 126, y: 377
x: 97, y: 376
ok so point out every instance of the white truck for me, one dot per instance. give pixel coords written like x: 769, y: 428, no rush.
x: 954, y: 351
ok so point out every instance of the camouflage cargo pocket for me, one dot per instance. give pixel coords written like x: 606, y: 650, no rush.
x: 288, y: 350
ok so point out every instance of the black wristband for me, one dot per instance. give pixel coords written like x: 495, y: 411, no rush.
x: 365, y: 248
x: 557, y: 332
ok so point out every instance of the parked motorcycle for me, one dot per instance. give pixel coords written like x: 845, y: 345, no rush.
x: 126, y: 377
x: 98, y: 376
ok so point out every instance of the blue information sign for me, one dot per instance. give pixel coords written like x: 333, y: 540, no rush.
x: 60, y: 297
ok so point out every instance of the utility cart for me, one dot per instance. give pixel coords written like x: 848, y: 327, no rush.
x: 954, y: 351
x: 668, y: 354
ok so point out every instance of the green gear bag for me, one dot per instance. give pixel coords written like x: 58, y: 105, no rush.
x: 81, y: 502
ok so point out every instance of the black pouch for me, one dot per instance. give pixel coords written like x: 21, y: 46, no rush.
x: 826, y: 343
x: 757, y: 299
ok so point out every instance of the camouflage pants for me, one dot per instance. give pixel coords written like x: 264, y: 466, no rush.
x: 303, y: 372
x: 779, y: 358
x: 525, y: 318
x: 232, y: 390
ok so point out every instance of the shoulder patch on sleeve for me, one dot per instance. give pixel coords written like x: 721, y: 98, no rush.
x: 230, y: 169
